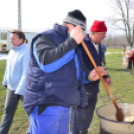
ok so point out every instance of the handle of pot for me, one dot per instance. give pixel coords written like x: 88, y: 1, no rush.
x: 97, y: 70
x: 132, y: 122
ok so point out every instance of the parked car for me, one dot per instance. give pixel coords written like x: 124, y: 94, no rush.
x: 3, y: 48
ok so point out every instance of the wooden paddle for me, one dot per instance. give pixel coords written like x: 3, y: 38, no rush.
x: 119, y: 113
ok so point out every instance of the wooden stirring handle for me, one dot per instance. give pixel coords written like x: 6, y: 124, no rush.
x: 97, y: 70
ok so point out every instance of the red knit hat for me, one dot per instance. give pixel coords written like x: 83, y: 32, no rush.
x: 98, y: 26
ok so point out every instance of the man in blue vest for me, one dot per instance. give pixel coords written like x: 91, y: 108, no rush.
x: 55, y: 76
x: 84, y: 115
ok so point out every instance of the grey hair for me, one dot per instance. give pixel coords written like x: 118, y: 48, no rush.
x: 92, y: 32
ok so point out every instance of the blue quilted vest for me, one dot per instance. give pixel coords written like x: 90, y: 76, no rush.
x: 60, y: 87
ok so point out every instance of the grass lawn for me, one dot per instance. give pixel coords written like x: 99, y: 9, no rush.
x: 114, y: 50
x: 122, y: 89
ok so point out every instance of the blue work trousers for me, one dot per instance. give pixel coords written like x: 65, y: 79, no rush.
x: 53, y: 120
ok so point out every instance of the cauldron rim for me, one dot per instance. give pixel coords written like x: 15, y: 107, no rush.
x: 113, y: 120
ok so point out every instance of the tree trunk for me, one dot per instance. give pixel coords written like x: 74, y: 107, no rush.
x: 129, y: 66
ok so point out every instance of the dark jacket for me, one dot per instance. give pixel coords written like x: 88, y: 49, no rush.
x: 91, y: 87
x: 54, y: 74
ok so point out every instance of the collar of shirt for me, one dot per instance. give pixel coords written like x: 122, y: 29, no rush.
x: 96, y: 47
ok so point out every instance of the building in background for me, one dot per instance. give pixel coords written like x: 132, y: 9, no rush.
x: 3, y: 41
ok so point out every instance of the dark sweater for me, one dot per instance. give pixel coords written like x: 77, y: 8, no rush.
x: 91, y: 87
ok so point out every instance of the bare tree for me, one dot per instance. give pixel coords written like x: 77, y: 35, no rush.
x: 123, y: 18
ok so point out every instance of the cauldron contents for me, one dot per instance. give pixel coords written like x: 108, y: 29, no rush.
x: 128, y: 118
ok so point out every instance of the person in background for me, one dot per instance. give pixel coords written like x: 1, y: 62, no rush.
x: 133, y: 47
x: 104, y: 48
x: 55, y: 76
x: 14, y: 78
x: 130, y: 56
x: 92, y: 40
x: 124, y: 50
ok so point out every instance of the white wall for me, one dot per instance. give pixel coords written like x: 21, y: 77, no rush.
x: 29, y: 37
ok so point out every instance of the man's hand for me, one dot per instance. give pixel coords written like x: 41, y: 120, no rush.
x: 77, y: 34
x: 93, y: 76
x: 108, y: 81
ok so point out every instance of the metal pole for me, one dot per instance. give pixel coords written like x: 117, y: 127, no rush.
x: 19, y: 14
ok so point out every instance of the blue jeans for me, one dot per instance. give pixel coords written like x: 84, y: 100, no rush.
x: 53, y: 120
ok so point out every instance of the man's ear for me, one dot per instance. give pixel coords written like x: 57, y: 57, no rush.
x: 70, y: 26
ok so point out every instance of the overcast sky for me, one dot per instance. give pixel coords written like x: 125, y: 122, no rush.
x: 38, y: 15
